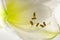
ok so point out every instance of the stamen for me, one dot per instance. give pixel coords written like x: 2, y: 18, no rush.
x: 37, y: 24
x: 44, y: 23
x: 31, y: 22
x: 34, y: 16
x: 41, y: 25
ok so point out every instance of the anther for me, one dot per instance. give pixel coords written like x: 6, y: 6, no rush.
x: 41, y: 25
x: 34, y: 16
x: 31, y: 22
x: 44, y: 23
x: 37, y: 24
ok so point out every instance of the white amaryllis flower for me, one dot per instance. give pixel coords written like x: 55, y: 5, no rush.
x: 31, y: 19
